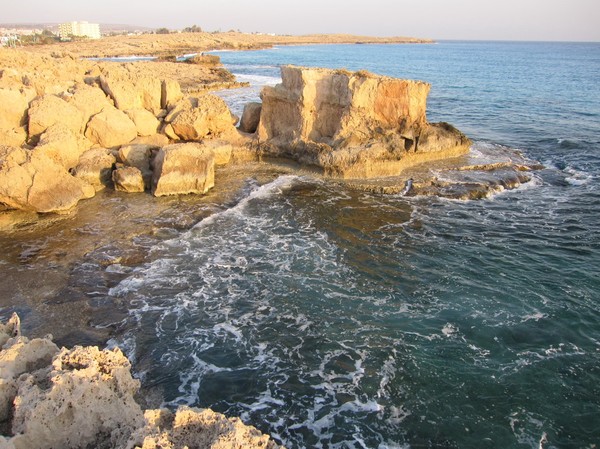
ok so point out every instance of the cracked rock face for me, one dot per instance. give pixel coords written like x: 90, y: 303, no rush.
x: 353, y: 125
x: 84, y: 397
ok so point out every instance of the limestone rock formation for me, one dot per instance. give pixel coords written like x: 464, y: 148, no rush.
x: 128, y: 179
x: 250, y: 117
x: 62, y: 145
x: 130, y: 90
x: 352, y: 124
x: 90, y: 100
x: 221, y: 149
x: 49, y: 110
x: 32, y: 181
x: 145, y: 122
x: 111, y: 128
x: 170, y: 93
x: 200, y: 117
x: 183, y: 168
x: 13, y: 116
x: 95, y: 167
x: 138, y: 156
x: 85, y: 397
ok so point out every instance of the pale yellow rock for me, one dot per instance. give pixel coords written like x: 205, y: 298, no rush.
x: 62, y: 145
x: 155, y: 140
x: 14, y: 137
x: 130, y: 90
x: 221, y: 149
x: 145, y: 122
x: 128, y: 179
x: 86, y: 396
x: 183, y: 168
x: 171, y: 93
x: 49, y: 110
x: 13, y: 109
x: 352, y: 124
x: 209, y: 116
x: 95, y: 167
x: 250, y: 117
x: 33, y: 182
x: 169, y: 132
x: 90, y: 100
x: 111, y: 128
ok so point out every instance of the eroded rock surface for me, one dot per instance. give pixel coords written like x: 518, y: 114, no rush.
x: 352, y: 125
x: 84, y: 397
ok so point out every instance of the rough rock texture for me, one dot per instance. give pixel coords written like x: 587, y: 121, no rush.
x: 95, y: 168
x: 250, y: 117
x: 145, y: 122
x: 62, y: 145
x: 90, y: 100
x: 130, y: 90
x: 128, y: 179
x: 352, y: 124
x: 83, y: 397
x: 155, y: 140
x: 32, y: 181
x: 49, y: 110
x: 197, y: 118
x: 221, y: 149
x: 14, y: 102
x: 111, y: 128
x: 170, y: 93
x: 183, y: 168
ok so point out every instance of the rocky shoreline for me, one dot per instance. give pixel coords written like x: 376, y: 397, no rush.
x: 86, y: 397
x: 69, y: 128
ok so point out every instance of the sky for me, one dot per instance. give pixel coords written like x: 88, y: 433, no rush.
x: 546, y: 20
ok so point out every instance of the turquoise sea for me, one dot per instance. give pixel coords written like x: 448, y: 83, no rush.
x: 332, y: 318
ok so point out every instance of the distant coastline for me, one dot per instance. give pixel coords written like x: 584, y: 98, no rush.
x: 183, y: 43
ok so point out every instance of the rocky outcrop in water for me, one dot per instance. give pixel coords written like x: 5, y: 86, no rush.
x: 84, y: 397
x: 352, y: 125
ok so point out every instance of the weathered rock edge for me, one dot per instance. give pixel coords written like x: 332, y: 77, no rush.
x: 84, y: 397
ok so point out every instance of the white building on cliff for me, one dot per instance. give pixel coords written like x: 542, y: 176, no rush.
x: 79, y: 29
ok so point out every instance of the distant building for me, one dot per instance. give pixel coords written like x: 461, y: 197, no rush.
x: 79, y: 29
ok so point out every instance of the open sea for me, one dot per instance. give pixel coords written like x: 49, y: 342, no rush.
x: 333, y: 318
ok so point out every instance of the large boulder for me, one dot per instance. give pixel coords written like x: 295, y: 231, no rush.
x: 128, y: 179
x: 250, y: 117
x: 111, y: 128
x: 208, y: 115
x: 85, y: 396
x: 137, y: 156
x: 183, y: 168
x: 130, y: 90
x: 90, y: 100
x: 352, y: 124
x: 170, y: 93
x: 13, y: 109
x: 49, y: 110
x: 62, y: 145
x: 32, y: 181
x: 145, y: 121
x: 95, y: 167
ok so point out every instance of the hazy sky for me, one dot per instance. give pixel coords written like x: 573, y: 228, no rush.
x: 577, y: 20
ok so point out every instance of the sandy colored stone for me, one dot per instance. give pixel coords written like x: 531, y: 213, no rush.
x: 250, y: 117
x: 208, y: 116
x: 111, y: 128
x: 131, y: 90
x: 87, y: 396
x: 170, y: 93
x: 62, y: 145
x: 145, y: 122
x: 155, y: 140
x: 49, y: 110
x: 128, y: 179
x: 95, y: 167
x: 183, y: 168
x: 90, y: 100
x: 13, y: 109
x: 33, y: 182
x: 352, y: 124
x: 14, y: 137
x: 222, y: 150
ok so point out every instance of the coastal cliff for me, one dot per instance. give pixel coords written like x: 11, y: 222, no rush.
x: 85, y: 397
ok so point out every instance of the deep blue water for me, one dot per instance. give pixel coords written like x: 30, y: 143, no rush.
x: 332, y: 318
